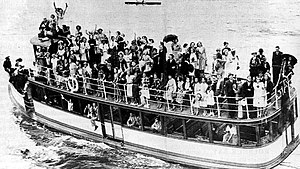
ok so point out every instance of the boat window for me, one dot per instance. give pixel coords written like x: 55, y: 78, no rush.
x: 38, y: 93
x: 152, y: 122
x: 130, y: 118
x: 86, y: 107
x: 116, y: 114
x: 265, y: 135
x: 248, y: 135
x: 224, y: 133
x: 274, y: 128
x: 53, y: 98
x: 197, y: 130
x: 174, y: 127
x: 106, y: 111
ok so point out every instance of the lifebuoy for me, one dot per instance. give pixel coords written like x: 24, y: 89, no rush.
x: 73, y: 84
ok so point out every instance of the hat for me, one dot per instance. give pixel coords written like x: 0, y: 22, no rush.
x: 7, y: 57
x: 260, y: 50
x: 218, y: 49
x: 19, y: 60
x: 225, y: 43
x: 253, y: 53
x: 277, y: 47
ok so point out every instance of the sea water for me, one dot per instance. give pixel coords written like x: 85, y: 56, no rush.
x: 247, y: 25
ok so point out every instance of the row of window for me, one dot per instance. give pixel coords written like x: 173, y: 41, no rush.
x: 194, y: 130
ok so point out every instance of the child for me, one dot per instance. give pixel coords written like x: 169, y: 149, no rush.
x: 210, y: 100
x: 145, y: 95
x: 180, y: 93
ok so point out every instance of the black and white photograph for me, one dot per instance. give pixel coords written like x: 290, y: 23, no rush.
x: 149, y: 84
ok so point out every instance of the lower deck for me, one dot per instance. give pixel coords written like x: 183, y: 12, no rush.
x: 194, y: 152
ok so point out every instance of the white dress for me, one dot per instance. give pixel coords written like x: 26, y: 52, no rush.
x: 259, y: 99
x: 171, y: 87
x: 210, y: 98
x: 231, y: 65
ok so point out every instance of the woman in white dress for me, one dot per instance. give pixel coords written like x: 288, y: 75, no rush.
x: 83, y: 47
x: 232, y: 63
x: 259, y: 100
x: 171, y: 89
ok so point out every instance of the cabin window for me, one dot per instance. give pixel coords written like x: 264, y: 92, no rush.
x: 38, y: 93
x: 86, y: 107
x: 106, y: 111
x: 224, y: 133
x: 130, y: 118
x: 265, y: 134
x: 274, y: 128
x: 53, y: 98
x: 197, y: 130
x: 248, y: 135
x: 116, y: 115
x: 151, y: 122
x: 174, y: 127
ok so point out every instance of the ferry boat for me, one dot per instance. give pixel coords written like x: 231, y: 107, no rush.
x: 187, y: 138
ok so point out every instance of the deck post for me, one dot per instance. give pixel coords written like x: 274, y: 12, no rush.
x: 257, y: 131
x: 218, y: 107
x: 164, y: 126
x: 125, y: 92
x: 247, y: 108
x: 104, y: 91
x: 162, y: 120
x: 112, y: 121
x: 296, y: 106
x: 80, y: 107
x: 184, y: 129
x: 271, y: 130
x: 191, y: 104
x: 276, y: 99
x: 142, y: 122
x: 238, y: 135
x: 210, y: 135
x: 101, y: 115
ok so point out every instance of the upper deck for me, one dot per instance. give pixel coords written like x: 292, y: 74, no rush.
x: 117, y: 94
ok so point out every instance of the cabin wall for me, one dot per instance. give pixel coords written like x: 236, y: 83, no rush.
x: 67, y: 118
x: 182, y: 148
x: 213, y: 152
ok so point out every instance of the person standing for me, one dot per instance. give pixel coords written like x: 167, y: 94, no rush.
x: 7, y: 65
x: 229, y: 93
x: 276, y: 64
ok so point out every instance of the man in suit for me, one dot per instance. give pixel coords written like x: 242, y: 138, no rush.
x: 276, y: 64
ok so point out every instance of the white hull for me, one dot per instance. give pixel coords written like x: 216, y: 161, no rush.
x: 171, y: 149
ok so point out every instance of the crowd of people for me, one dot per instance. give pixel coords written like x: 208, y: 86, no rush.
x: 160, y: 74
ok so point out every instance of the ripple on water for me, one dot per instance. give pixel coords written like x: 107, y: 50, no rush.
x: 57, y: 150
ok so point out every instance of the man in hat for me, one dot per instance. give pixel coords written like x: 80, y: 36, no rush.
x: 254, y: 63
x: 225, y: 48
x: 276, y: 64
x: 7, y: 65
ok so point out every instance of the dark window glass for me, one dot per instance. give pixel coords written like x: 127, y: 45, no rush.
x: 116, y: 114
x: 196, y: 130
x: 174, y: 127
x: 130, y: 118
x: 106, y: 111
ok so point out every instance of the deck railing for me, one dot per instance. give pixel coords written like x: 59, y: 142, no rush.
x: 156, y: 99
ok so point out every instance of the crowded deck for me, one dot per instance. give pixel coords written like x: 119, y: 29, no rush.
x: 174, y: 79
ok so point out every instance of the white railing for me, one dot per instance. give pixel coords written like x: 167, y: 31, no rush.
x: 118, y: 92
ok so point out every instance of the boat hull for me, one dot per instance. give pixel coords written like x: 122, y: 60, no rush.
x: 199, y: 154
